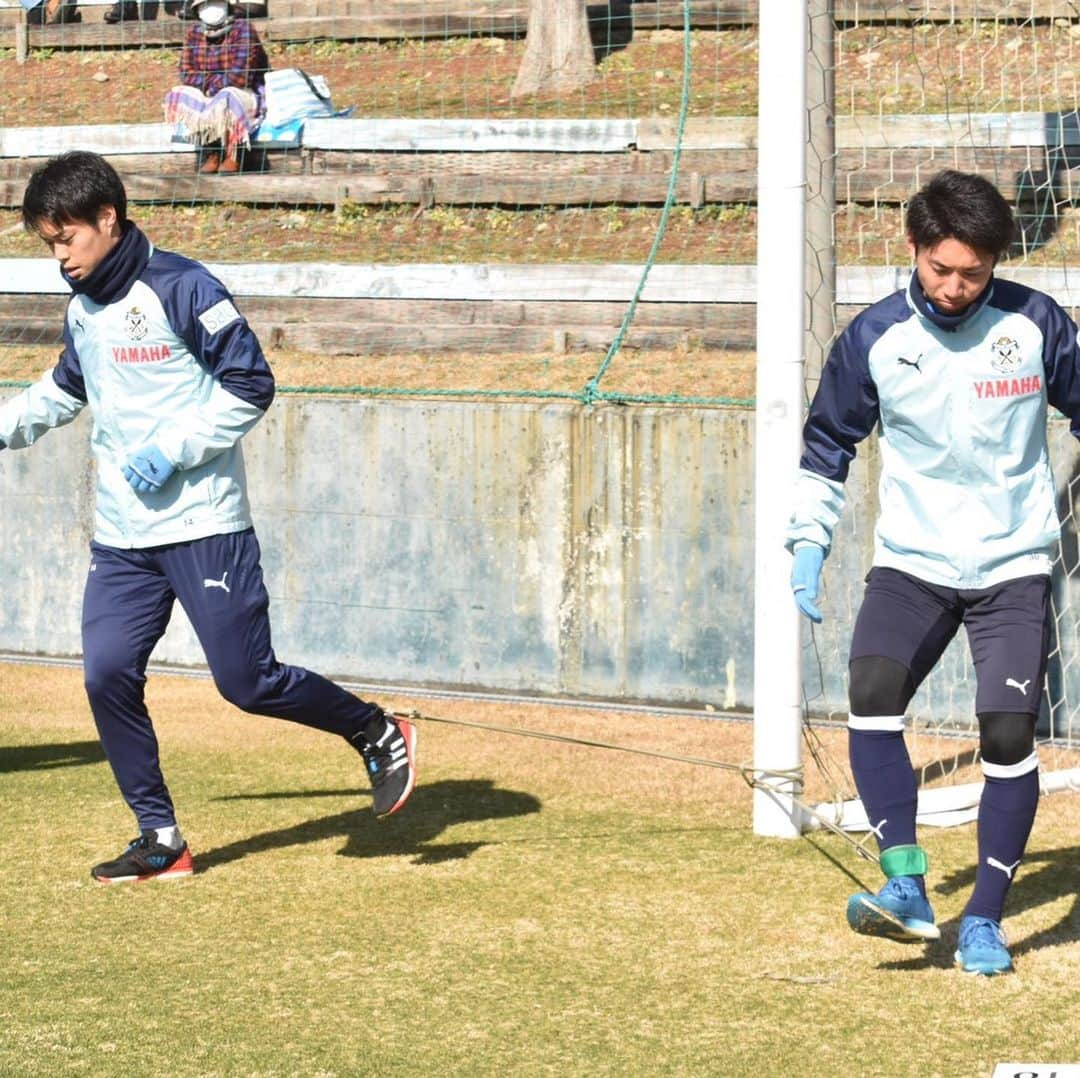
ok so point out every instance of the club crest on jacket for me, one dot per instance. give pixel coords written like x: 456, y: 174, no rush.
x: 135, y: 324
x: 1005, y: 355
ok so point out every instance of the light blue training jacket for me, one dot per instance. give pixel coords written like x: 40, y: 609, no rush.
x: 155, y: 346
x: 966, y: 492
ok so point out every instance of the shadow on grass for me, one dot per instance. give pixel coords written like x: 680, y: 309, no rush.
x: 1044, y: 877
x: 430, y: 811
x: 46, y: 757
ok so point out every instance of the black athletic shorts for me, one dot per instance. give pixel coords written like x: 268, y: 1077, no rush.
x: 1008, y: 629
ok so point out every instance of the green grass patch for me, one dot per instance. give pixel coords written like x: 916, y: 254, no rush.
x: 551, y: 910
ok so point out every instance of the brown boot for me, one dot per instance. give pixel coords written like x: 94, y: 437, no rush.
x: 211, y: 163
x: 230, y: 162
x: 59, y: 11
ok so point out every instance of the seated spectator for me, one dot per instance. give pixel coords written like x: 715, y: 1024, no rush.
x: 222, y: 70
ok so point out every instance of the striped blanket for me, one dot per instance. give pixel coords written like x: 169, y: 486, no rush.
x: 230, y: 116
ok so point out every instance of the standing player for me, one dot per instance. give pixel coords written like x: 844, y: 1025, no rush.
x: 956, y: 372
x: 175, y: 377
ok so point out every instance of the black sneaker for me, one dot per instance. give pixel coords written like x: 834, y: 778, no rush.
x: 146, y: 859
x: 391, y: 764
x: 125, y: 11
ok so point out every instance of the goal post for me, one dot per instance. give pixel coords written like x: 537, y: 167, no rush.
x: 781, y: 291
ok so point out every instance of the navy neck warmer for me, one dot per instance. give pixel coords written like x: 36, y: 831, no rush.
x: 118, y: 270
x: 918, y: 300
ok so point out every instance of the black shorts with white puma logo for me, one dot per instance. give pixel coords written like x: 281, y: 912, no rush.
x: 1008, y: 629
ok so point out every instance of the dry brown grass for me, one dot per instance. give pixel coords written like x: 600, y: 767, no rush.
x: 694, y: 373
x: 537, y: 907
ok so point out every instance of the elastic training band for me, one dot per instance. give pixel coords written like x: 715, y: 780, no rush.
x: 904, y: 861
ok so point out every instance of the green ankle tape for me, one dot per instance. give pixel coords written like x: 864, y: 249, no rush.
x: 904, y: 861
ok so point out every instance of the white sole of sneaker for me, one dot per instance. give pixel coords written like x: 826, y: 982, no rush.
x: 958, y: 961
x: 871, y: 920
x: 183, y: 868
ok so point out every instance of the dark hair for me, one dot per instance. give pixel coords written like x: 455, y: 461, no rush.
x: 75, y: 186
x: 961, y: 206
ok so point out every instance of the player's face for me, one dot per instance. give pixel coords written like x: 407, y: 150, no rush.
x: 80, y: 246
x: 952, y: 274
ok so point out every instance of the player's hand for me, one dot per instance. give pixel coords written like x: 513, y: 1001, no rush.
x: 806, y: 577
x: 148, y: 470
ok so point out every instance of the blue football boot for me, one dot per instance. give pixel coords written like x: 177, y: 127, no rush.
x: 981, y: 947
x: 900, y: 910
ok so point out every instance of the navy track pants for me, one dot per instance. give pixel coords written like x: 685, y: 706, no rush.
x: 218, y: 581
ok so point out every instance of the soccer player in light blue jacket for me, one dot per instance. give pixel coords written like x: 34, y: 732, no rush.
x: 955, y: 373
x: 174, y: 377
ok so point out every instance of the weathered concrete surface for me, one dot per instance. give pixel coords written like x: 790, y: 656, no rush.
x: 536, y: 548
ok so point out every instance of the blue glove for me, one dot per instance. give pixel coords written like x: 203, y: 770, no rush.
x: 805, y: 578
x: 148, y: 470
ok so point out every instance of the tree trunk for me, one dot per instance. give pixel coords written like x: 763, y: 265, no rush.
x: 558, y: 50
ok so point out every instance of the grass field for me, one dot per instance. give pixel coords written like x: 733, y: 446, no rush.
x: 696, y: 373
x: 537, y: 909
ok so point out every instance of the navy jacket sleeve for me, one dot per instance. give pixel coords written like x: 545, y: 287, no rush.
x: 67, y: 373
x: 201, y: 310
x: 843, y: 412
x: 845, y: 407
x: 1061, y: 360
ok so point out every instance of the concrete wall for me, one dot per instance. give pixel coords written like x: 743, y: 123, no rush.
x: 540, y: 548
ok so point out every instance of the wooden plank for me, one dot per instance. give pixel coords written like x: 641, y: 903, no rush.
x: 929, y: 130
x: 498, y: 163
x: 880, y: 178
x: 723, y: 13
x: 517, y: 190
x: 164, y: 164
x: 562, y: 136
x: 330, y: 189
x: 166, y: 32
x: 47, y: 310
x: 158, y: 33
x: 1015, y: 130
x: 476, y: 281
x: 906, y: 11
x: 882, y: 186
x: 656, y: 14
x: 371, y: 338
x: 543, y: 282
x: 262, y: 188
x: 941, y: 129
x: 105, y: 139
x: 377, y: 338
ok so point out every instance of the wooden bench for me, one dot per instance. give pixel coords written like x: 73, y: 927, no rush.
x: 314, y: 20
x: 346, y: 308
x: 564, y: 162
x: 364, y: 308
